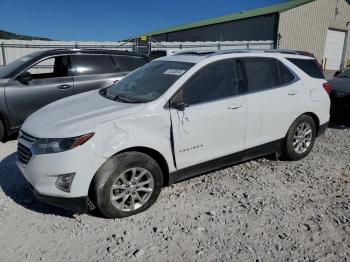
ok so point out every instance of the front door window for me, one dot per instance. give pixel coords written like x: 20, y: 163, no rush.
x: 51, y: 68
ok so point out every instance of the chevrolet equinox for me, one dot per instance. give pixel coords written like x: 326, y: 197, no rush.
x: 174, y: 118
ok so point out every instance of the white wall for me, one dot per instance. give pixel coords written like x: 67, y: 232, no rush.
x: 17, y: 48
x: 222, y: 45
x: 305, y: 27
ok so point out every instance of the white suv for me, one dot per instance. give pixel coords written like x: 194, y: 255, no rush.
x: 174, y: 118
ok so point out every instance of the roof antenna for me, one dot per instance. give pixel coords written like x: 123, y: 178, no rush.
x: 75, y: 42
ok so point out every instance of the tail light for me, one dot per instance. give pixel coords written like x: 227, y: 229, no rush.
x: 328, y: 87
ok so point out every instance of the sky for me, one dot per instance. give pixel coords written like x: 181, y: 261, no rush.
x: 110, y: 20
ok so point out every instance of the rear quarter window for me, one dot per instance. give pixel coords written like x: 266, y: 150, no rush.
x: 309, y: 66
x: 129, y: 63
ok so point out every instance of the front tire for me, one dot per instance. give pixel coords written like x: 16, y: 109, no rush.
x: 127, y: 184
x: 300, y: 138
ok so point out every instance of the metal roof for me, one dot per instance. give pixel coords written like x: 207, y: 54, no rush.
x: 236, y: 16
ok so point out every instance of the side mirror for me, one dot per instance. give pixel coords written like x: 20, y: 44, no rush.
x: 25, y: 78
x: 180, y: 106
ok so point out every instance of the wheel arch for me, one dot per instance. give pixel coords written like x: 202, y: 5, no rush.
x: 156, y: 155
x: 313, y: 116
x: 316, y: 119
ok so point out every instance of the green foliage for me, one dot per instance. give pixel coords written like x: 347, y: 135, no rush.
x: 9, y: 35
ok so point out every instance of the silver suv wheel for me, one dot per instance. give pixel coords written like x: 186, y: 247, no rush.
x: 302, y: 138
x: 132, y: 189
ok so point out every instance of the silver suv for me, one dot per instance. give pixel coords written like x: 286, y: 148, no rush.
x: 40, y: 78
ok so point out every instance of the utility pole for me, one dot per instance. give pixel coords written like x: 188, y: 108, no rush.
x: 3, y: 53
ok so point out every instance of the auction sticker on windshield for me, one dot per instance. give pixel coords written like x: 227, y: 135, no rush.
x: 175, y: 72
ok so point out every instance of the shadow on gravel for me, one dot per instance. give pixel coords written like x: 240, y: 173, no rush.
x: 13, y: 184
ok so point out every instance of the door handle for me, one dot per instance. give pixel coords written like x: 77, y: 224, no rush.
x: 292, y: 92
x: 234, y: 106
x: 64, y: 87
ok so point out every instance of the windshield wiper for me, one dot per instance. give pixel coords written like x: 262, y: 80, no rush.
x: 126, y: 99
x: 103, y: 91
x: 119, y: 98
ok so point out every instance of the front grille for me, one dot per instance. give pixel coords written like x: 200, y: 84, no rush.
x: 23, y: 154
x: 25, y: 141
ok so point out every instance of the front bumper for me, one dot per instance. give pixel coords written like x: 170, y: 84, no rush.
x: 75, y: 204
x: 42, y: 171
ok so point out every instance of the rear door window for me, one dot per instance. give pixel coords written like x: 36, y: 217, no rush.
x: 261, y: 73
x: 309, y: 66
x: 94, y: 64
x: 129, y: 63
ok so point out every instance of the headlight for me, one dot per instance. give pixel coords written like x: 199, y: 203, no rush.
x: 57, y: 145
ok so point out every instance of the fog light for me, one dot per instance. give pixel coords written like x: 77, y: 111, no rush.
x: 64, y: 182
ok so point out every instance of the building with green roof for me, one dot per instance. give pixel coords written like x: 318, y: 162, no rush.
x: 316, y: 26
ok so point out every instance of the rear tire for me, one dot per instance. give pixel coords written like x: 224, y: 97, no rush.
x: 300, y: 138
x: 127, y: 184
x: 2, y: 131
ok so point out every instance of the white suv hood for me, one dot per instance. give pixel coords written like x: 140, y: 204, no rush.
x: 76, y: 115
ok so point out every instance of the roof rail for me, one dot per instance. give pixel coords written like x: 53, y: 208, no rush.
x: 232, y: 51
x: 195, y: 52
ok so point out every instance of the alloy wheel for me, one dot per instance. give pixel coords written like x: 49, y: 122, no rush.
x: 302, y: 138
x: 132, y: 189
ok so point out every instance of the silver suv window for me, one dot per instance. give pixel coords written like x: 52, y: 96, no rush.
x: 129, y: 63
x: 52, y: 67
x: 94, y: 64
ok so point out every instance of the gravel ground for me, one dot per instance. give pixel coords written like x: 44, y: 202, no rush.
x: 262, y: 210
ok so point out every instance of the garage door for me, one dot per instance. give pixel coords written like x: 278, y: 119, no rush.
x: 334, y: 49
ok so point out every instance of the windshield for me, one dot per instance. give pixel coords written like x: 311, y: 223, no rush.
x: 9, y: 68
x: 148, y: 82
x: 346, y: 73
